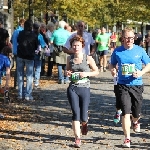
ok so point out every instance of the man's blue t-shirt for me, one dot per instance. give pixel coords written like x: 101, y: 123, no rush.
x: 4, y: 62
x: 128, y: 62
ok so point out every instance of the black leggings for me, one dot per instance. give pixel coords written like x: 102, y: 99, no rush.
x: 79, y: 99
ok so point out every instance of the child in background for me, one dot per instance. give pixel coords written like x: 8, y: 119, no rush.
x: 5, y: 64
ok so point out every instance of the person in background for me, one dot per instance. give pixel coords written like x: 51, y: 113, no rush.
x: 15, y: 44
x: 15, y: 36
x: 103, y: 41
x: 5, y: 70
x: 109, y: 33
x: 113, y: 40
x: 58, y: 39
x: 4, y: 37
x: 43, y: 33
x: 38, y: 54
x: 137, y: 40
x: 147, y: 40
x: 89, y: 48
x: 79, y: 68
x: 50, y: 30
x: 27, y: 44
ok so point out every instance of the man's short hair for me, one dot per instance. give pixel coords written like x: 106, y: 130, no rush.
x: 43, y: 25
x: 128, y: 29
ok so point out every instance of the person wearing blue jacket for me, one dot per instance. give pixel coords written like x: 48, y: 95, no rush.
x: 38, y: 55
x: 15, y: 44
x: 15, y: 36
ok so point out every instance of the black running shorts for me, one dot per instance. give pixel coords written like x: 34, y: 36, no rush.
x: 118, y: 105
x: 102, y: 53
x: 131, y: 99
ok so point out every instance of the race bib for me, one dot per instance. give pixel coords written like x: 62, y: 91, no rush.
x: 75, y: 77
x: 128, y: 69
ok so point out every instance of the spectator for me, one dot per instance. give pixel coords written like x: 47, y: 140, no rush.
x: 15, y: 44
x: 27, y: 44
x: 50, y: 30
x: 5, y: 70
x: 38, y: 54
x: 43, y: 33
x: 4, y: 37
x: 58, y: 39
x: 89, y: 41
x: 147, y: 42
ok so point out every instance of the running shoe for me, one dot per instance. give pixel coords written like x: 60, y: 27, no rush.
x: 77, y: 143
x: 136, y: 127
x: 104, y: 69
x: 28, y: 98
x: 117, y: 118
x: 6, y: 96
x: 84, y: 129
x: 126, y: 143
x: 2, y: 116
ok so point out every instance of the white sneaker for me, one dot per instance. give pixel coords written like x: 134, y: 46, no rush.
x: 136, y: 127
x: 29, y: 98
x: 126, y: 143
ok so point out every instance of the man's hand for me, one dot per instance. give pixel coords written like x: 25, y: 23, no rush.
x: 114, y: 72
x: 137, y: 74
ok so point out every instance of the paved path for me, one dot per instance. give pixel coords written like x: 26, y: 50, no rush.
x: 45, y: 124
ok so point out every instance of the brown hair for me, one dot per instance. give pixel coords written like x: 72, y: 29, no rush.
x: 21, y: 21
x: 6, y: 51
x: 77, y: 38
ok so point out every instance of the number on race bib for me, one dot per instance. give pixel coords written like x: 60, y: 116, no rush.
x: 128, y: 69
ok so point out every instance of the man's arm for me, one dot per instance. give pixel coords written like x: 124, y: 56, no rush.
x: 70, y: 51
x: 112, y: 69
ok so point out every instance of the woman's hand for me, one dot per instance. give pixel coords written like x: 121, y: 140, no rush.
x: 68, y: 73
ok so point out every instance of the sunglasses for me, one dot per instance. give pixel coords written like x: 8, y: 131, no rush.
x: 80, y: 26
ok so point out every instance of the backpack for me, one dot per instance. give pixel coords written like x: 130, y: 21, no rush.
x: 27, y: 44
